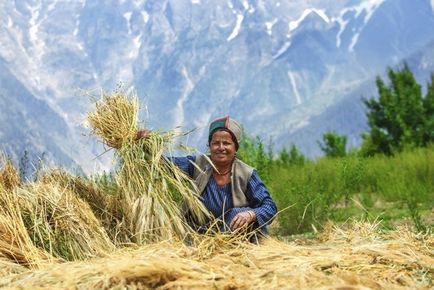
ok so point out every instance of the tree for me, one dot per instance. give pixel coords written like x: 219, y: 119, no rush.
x: 400, y: 118
x: 283, y: 156
x: 24, y: 165
x: 295, y: 156
x: 333, y: 144
x: 252, y: 152
x: 262, y: 163
x: 428, y: 105
x: 291, y: 157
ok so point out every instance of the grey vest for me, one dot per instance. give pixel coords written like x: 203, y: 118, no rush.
x: 240, y: 177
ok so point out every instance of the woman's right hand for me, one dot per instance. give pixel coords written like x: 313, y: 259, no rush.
x: 142, y: 133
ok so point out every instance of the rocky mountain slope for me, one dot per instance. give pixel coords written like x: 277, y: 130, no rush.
x: 289, y: 70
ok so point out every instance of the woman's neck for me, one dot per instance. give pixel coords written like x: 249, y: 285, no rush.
x: 223, y: 169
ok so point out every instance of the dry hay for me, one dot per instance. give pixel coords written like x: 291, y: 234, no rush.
x: 102, y: 196
x: 9, y: 176
x: 115, y: 118
x: 15, y: 243
x: 152, y: 189
x: 371, y: 262
x: 8, y: 268
x: 61, y: 223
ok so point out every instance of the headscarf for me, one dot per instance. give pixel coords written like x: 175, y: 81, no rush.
x: 229, y: 125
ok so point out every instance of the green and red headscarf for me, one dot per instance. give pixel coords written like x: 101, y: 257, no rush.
x: 226, y: 124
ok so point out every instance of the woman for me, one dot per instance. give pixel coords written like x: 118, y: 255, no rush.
x: 231, y: 190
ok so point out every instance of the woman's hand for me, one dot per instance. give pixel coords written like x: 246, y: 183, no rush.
x: 142, y: 133
x: 243, y: 219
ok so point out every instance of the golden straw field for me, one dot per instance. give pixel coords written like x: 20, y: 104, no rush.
x: 126, y: 230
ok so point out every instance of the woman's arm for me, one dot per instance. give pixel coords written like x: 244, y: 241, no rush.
x: 261, y: 207
x: 184, y: 163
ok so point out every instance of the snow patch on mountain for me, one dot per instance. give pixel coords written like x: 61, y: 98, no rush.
x: 237, y: 27
x: 10, y: 23
x: 145, y: 16
x: 369, y: 7
x: 342, y: 25
x: 179, y: 109
x: 294, y: 87
x: 137, y: 44
x: 246, y: 4
x: 127, y: 16
x: 269, y: 25
x: 284, y: 48
x: 321, y: 13
x: 34, y: 25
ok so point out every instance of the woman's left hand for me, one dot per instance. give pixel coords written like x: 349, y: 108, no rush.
x: 243, y: 219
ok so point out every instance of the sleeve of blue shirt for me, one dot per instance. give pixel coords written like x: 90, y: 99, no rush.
x: 259, y: 200
x: 184, y: 163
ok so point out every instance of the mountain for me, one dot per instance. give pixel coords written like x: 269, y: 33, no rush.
x: 348, y: 116
x: 290, y: 70
x: 26, y: 121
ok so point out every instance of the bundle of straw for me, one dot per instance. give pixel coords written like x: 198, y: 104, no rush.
x: 15, y: 242
x: 153, y: 189
x: 102, y: 195
x: 61, y: 223
x: 115, y: 119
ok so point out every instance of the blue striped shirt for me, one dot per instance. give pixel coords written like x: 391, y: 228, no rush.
x: 218, y: 200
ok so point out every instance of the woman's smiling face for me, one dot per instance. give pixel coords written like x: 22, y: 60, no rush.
x: 222, y: 148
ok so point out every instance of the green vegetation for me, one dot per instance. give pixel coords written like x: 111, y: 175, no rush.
x: 392, y: 189
x: 390, y: 178
x: 395, y: 189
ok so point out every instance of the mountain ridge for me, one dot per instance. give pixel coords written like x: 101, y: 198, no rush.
x: 275, y: 66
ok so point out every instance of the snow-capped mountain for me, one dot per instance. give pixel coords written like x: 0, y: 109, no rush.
x: 277, y: 66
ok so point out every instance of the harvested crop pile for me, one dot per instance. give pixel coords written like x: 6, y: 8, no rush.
x: 16, y: 244
x: 372, y: 260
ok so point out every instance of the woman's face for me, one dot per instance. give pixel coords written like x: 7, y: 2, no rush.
x: 222, y: 148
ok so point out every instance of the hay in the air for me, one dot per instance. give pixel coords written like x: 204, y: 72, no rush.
x: 152, y: 188
x: 373, y: 262
x: 115, y: 119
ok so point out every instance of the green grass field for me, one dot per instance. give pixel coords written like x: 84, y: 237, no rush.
x: 395, y: 190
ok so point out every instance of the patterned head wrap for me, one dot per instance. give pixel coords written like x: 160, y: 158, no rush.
x: 229, y: 125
